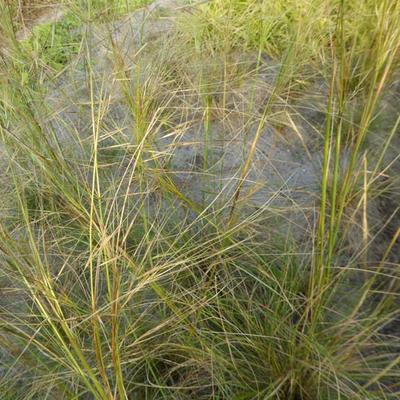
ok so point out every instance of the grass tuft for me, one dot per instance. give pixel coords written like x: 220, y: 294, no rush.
x: 200, y: 201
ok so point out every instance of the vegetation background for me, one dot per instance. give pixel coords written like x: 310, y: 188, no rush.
x: 199, y: 199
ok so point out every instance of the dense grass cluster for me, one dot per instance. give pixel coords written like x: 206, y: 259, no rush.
x: 118, y: 282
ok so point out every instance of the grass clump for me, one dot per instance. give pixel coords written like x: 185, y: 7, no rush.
x: 153, y: 242
x: 119, y: 7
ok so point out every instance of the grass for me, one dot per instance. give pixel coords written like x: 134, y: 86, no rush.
x: 54, y: 44
x: 137, y: 259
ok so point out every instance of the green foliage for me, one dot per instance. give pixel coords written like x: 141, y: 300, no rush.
x: 56, y: 43
x: 106, y: 9
x: 119, y: 285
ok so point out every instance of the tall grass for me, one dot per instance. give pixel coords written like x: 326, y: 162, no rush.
x: 120, y: 283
